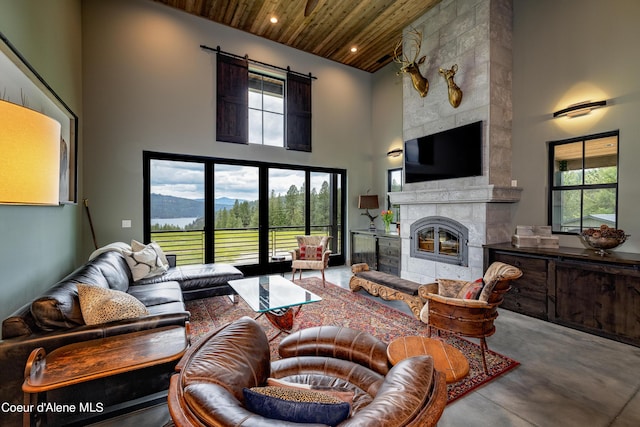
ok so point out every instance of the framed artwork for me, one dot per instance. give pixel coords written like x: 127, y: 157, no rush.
x: 21, y: 84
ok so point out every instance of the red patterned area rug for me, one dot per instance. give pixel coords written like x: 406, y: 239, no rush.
x: 342, y: 307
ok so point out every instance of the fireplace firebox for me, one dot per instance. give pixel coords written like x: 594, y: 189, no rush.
x: 440, y: 239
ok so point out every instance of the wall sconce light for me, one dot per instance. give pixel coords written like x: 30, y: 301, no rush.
x: 30, y: 159
x: 369, y: 202
x: 396, y: 152
x: 579, y: 109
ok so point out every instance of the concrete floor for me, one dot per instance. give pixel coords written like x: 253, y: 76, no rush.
x: 566, y: 378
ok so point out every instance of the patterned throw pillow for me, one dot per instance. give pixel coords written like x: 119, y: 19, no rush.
x: 146, y: 260
x: 471, y: 290
x: 460, y: 289
x: 342, y: 393
x: 298, y: 406
x: 311, y: 252
x: 101, y: 305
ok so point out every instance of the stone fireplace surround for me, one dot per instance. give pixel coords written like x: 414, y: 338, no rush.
x: 484, y: 210
x: 477, y: 36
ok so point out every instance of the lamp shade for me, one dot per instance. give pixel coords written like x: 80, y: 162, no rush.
x: 368, y: 202
x: 29, y: 156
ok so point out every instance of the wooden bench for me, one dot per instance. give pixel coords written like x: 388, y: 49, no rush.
x: 386, y: 286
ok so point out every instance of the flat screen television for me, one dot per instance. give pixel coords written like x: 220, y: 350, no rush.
x: 453, y: 153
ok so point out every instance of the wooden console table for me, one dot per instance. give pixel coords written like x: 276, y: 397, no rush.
x: 379, y: 250
x: 575, y: 287
x: 89, y: 360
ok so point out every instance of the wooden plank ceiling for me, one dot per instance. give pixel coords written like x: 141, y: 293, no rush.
x: 330, y: 29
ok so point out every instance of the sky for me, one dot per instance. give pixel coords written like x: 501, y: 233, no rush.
x: 186, y: 179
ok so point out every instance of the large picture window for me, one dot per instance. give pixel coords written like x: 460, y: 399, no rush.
x: 583, y: 177
x: 243, y: 213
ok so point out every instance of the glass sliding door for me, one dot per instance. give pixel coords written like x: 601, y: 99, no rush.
x: 287, y: 203
x: 236, y: 213
x: 244, y: 213
x: 177, y: 208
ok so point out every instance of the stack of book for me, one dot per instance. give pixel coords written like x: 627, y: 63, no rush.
x: 534, y: 236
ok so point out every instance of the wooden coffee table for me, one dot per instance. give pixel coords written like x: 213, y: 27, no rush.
x: 89, y: 360
x: 446, y: 359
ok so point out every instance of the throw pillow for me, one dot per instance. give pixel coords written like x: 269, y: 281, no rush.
x: 460, y: 289
x: 471, y: 290
x: 102, y: 305
x: 146, y: 260
x: 341, y: 393
x: 311, y: 252
x: 298, y: 406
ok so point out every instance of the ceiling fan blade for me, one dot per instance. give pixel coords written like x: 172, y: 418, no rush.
x: 311, y: 4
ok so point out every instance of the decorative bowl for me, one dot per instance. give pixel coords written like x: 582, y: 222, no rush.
x: 603, y: 238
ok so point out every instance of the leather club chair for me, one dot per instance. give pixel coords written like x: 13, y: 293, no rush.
x: 208, y: 387
x: 468, y: 317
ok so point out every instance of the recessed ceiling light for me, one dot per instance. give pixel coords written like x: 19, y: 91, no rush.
x: 273, y: 20
x: 354, y: 49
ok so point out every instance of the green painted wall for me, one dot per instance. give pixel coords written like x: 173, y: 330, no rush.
x: 39, y: 245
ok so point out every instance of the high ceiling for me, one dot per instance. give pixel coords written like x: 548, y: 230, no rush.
x: 330, y: 28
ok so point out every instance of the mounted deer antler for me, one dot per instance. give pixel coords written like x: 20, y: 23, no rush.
x: 455, y: 94
x: 420, y: 83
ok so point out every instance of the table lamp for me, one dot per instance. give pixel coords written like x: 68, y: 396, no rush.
x: 369, y: 202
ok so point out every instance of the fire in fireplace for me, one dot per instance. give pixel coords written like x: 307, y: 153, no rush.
x: 440, y: 239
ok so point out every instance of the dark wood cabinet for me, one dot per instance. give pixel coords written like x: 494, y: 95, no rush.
x: 528, y: 294
x: 381, y: 251
x: 575, y: 287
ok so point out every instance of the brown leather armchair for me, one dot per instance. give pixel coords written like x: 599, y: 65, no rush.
x: 208, y: 388
x: 468, y: 317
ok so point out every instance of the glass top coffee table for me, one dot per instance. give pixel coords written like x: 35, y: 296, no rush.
x: 275, y: 297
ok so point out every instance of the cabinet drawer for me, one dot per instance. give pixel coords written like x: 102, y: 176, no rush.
x: 389, y: 251
x: 389, y: 268
x: 523, y: 262
x: 531, y: 306
x: 389, y: 243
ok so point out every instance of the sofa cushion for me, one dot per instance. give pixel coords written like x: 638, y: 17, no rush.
x: 101, y: 305
x: 294, y: 405
x: 196, y: 276
x: 157, y: 293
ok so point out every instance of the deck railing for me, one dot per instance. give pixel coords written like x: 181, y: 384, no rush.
x: 238, y: 246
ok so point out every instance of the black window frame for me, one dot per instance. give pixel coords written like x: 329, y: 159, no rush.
x: 582, y: 187
x: 264, y: 266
